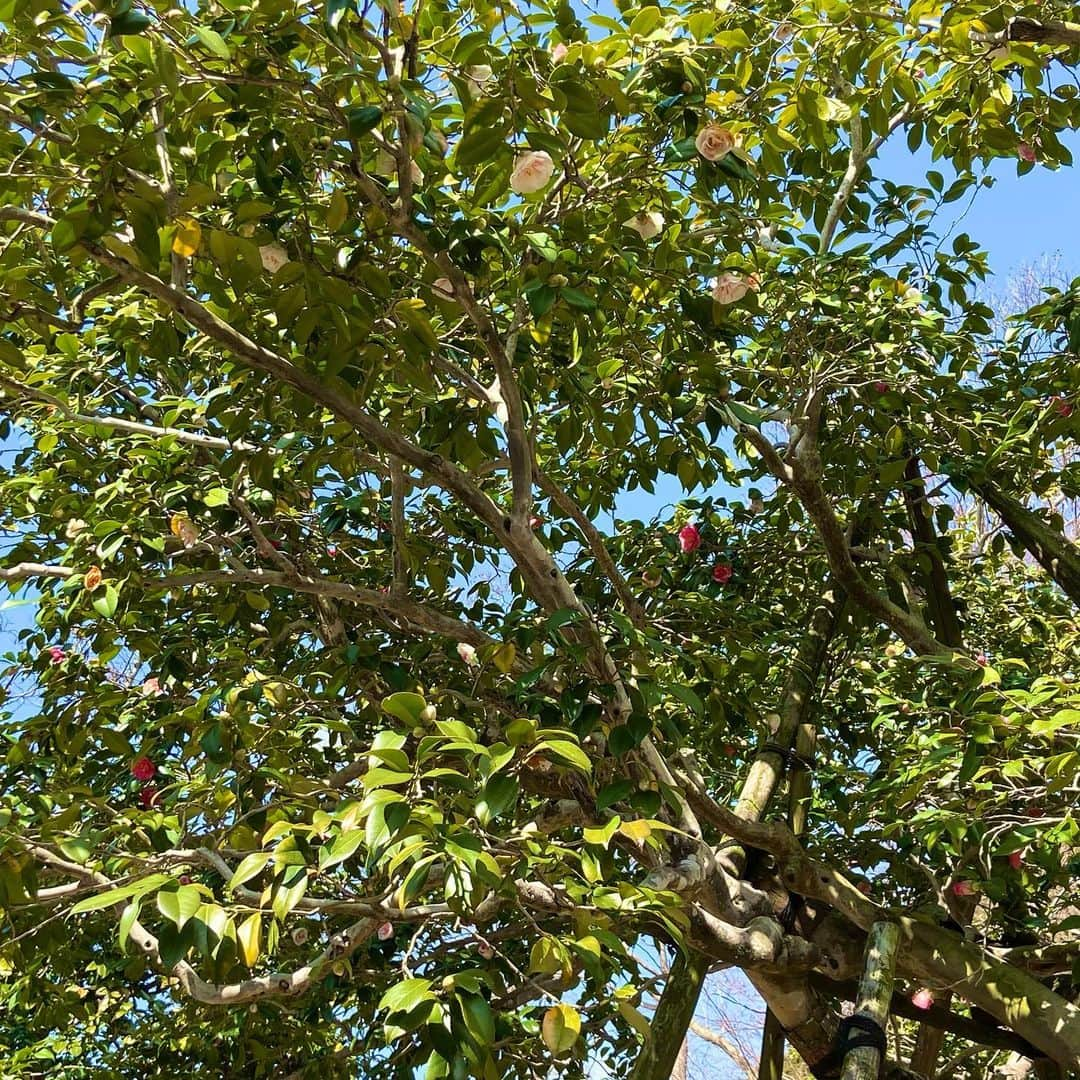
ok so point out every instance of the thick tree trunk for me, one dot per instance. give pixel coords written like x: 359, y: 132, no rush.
x: 1057, y: 555
x: 674, y: 1011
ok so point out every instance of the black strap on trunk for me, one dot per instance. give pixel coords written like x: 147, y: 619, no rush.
x: 855, y: 1031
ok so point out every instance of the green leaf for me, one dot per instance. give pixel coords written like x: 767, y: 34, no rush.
x: 128, y: 22
x: 578, y: 299
x: 499, y: 794
x: 127, y: 921
x: 405, y: 706
x: 569, y: 752
x: 214, y: 42
x: 125, y: 892
x: 105, y: 601
x: 406, y: 995
x: 250, y: 865
x: 560, y: 1028
x: 362, y: 119
x: 179, y: 904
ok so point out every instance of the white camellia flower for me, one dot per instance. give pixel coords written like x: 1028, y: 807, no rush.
x: 479, y: 75
x: 273, y: 256
x: 558, y: 53
x: 466, y: 652
x: 729, y: 288
x: 646, y: 223
x: 74, y: 527
x: 532, y: 171
x: 714, y: 142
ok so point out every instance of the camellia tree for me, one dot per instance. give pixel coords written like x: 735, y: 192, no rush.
x: 508, y: 490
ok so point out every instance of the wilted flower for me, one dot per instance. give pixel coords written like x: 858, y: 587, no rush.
x: 466, y: 652
x: 181, y: 526
x: 646, y: 223
x: 728, y: 288
x: 650, y: 578
x: 756, y: 506
x: 689, y: 538
x: 714, y: 142
x: 300, y: 935
x: 92, y: 578
x: 273, y: 256
x: 532, y: 171
x: 385, y: 932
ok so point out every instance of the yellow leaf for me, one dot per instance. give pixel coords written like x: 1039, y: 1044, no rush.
x: 187, y: 236
x: 504, y: 657
x: 634, y: 1018
x: 276, y: 693
x: 247, y: 937
x: 636, y: 830
x: 561, y: 1028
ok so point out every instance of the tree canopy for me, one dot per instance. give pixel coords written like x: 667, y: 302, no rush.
x: 508, y: 488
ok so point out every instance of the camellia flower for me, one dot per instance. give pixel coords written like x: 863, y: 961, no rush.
x: 74, y: 527
x: 1026, y: 152
x: 558, y: 53
x: 532, y: 171
x: 148, y: 796
x: 1061, y: 406
x: 722, y: 573
x: 646, y: 223
x: 485, y: 950
x: 535, y: 522
x: 331, y: 551
x: 714, y: 142
x: 922, y: 999
x: 273, y: 257
x: 466, y: 652
x: 881, y: 386
x: 689, y: 538
x: 1016, y: 859
x: 143, y: 769
x: 728, y: 288
x: 56, y: 654
x: 92, y: 578
x: 443, y: 288
x: 963, y: 888
x: 385, y: 932
x: 152, y: 687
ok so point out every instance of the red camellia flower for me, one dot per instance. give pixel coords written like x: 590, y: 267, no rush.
x: 922, y: 999
x: 1061, y: 406
x: 148, y: 795
x: 689, y: 538
x: 1016, y: 859
x: 722, y: 573
x: 385, y: 932
x: 56, y: 654
x: 963, y: 888
x: 881, y: 386
x: 143, y: 769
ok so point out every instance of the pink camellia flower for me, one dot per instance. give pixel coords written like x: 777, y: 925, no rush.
x: 1025, y: 152
x: 148, y: 796
x: 56, y: 654
x: 922, y: 999
x: 331, y: 551
x: 485, y: 950
x: 881, y: 386
x: 981, y: 659
x: 152, y: 687
x: 722, y: 573
x: 143, y: 769
x: 963, y: 888
x: 273, y: 257
x: 558, y: 53
x: 443, y: 288
x: 385, y: 932
x: 532, y: 171
x: 646, y: 223
x: 1016, y: 859
x: 714, y: 142
x: 729, y: 288
x: 466, y: 652
x: 1061, y: 406
x: 689, y: 538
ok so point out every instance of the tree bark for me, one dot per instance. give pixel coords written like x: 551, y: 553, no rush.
x: 771, y: 1066
x: 875, y: 993
x: 1057, y: 555
x: 671, y: 1020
